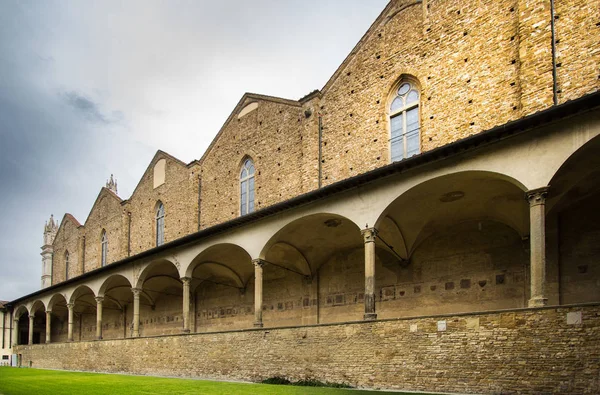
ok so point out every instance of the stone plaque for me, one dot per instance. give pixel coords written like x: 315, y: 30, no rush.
x: 441, y: 326
x: 413, y: 327
x: 574, y: 318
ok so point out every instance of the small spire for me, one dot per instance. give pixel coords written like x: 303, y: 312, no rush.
x: 112, y: 184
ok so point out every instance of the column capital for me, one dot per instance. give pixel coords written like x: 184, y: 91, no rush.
x: 99, y: 299
x: 537, y: 196
x: 31, y: 316
x: 186, y: 280
x: 48, y: 312
x: 258, y: 262
x: 70, y: 305
x: 136, y: 291
x: 369, y: 234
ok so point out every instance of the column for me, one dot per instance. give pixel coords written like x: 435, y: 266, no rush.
x: 537, y: 239
x: 99, y: 300
x: 186, y: 303
x: 136, y: 311
x: 48, y: 325
x: 258, y: 292
x: 370, y: 235
x: 30, y: 339
x: 70, y: 306
x: 15, y: 332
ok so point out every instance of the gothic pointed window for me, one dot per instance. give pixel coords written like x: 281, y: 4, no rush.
x: 404, y: 122
x: 160, y: 224
x: 104, y: 248
x: 66, y: 265
x: 247, y: 187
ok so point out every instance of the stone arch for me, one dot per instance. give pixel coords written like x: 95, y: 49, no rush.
x: 573, y: 227
x: 79, y: 292
x: 113, y: 281
x: 308, y: 241
x: 36, y: 306
x: 444, y: 200
x: 57, y: 298
x: 227, y: 261
x: 20, y: 310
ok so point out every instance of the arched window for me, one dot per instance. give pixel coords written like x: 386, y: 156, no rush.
x: 104, y: 249
x: 247, y: 187
x: 404, y: 122
x: 160, y: 224
x: 66, y: 265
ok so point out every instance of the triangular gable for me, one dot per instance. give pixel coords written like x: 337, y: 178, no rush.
x: 381, y: 18
x: 65, y: 218
x: 159, y: 155
x: 247, y: 98
x: 103, y: 192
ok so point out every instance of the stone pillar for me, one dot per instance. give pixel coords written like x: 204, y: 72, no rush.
x: 48, y: 325
x: 136, y: 311
x: 186, y: 303
x: 30, y: 337
x: 15, y: 332
x: 370, y: 235
x: 70, y: 306
x: 537, y: 239
x: 258, y: 292
x: 99, y: 300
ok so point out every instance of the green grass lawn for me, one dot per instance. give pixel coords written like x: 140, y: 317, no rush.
x: 15, y: 381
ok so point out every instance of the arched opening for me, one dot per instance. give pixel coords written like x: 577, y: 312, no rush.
x: 456, y: 243
x: 314, y: 272
x: 161, y: 300
x: 573, y: 228
x: 59, y: 321
x: 84, y: 313
x: 22, y: 333
x: 222, y: 289
x: 117, y: 307
x: 38, y: 311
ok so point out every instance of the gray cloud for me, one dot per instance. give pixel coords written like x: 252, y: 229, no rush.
x: 93, y: 88
x: 89, y: 109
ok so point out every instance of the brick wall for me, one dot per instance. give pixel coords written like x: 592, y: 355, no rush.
x: 525, y: 351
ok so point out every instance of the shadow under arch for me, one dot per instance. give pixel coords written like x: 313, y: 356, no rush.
x: 226, y: 264
x: 453, y: 198
x: 304, y: 244
x: 573, y: 227
x: 20, y: 311
x: 57, y: 299
x: 161, y: 299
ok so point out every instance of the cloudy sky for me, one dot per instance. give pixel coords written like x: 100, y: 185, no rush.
x: 90, y: 88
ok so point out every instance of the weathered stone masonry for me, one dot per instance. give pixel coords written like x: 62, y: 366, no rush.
x: 535, y: 351
x: 492, y: 221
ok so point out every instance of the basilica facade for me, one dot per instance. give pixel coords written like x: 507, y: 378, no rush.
x: 427, y: 220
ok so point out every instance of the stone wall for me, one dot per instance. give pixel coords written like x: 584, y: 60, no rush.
x: 179, y: 195
x: 550, y: 350
x: 68, y: 239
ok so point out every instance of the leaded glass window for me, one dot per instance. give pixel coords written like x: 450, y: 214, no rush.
x: 247, y: 187
x: 160, y: 224
x: 104, y: 249
x: 66, y: 265
x: 404, y: 122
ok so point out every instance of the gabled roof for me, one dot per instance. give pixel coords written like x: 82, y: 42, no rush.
x: 381, y: 18
x: 70, y: 218
x: 159, y: 155
x: 246, y: 99
x: 103, y: 192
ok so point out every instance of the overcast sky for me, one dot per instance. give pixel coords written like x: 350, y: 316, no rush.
x: 90, y: 88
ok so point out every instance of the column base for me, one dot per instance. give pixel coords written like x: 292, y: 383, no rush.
x: 185, y: 331
x: 258, y: 324
x: 537, y: 302
x: 370, y: 317
x: 99, y: 338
